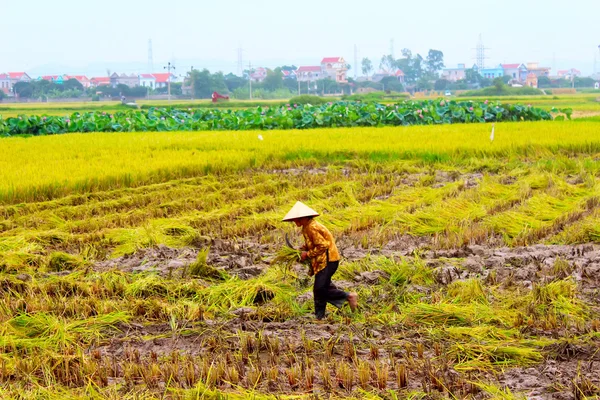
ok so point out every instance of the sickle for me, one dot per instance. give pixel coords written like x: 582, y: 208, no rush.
x: 287, y: 240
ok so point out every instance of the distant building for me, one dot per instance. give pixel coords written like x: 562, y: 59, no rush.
x: 335, y: 68
x: 163, y: 79
x: 100, y: 81
x: 531, y: 80
x: 84, y: 80
x: 16, y: 77
x: 455, y: 74
x: 569, y: 73
x: 534, y: 68
x: 309, y: 73
x: 398, y: 74
x: 58, y: 79
x: 492, y: 73
x: 124, y: 79
x: 259, y: 74
x: 5, y: 83
x: 517, y: 72
x: 288, y: 74
x: 147, y: 80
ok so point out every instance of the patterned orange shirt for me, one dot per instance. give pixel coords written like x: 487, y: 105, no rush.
x: 319, y: 242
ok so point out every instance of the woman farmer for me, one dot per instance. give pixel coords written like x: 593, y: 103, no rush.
x: 321, y: 249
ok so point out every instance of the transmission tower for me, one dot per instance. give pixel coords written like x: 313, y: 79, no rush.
x: 240, y: 60
x: 355, y: 61
x: 392, y: 48
x: 480, y: 56
x: 150, y: 57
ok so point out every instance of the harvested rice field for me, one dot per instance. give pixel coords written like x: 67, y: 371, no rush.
x: 144, y: 265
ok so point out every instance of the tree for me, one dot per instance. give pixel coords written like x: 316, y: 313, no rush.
x: 367, y: 66
x: 2, y: 95
x: 499, y: 84
x: 434, y: 61
x: 233, y: 82
x: 387, y: 63
x: 23, y: 89
x: 273, y: 80
x: 392, y: 84
x: 544, y: 82
x: 72, y: 84
x: 201, y: 83
x: 441, y: 84
x: 412, y: 66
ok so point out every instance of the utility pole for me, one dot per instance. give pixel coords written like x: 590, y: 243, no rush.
x: 192, y: 81
x: 169, y: 67
x: 250, y: 78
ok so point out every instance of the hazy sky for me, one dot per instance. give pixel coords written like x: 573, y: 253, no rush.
x: 89, y: 36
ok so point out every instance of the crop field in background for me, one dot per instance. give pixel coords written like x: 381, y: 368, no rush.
x: 142, y: 265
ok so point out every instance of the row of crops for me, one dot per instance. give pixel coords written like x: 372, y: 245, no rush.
x: 291, y: 116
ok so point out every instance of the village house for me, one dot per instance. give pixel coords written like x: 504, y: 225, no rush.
x: 147, y: 80
x: 84, y: 80
x: 16, y: 77
x: 517, y: 72
x: 335, y: 68
x: 309, y: 73
x: 288, y: 74
x: 454, y: 74
x: 161, y: 80
x: 258, y: 75
x: 531, y: 80
x: 398, y: 74
x: 569, y: 73
x: 5, y: 83
x: 534, y: 68
x: 492, y: 73
x: 58, y: 79
x: 124, y: 79
x: 100, y: 81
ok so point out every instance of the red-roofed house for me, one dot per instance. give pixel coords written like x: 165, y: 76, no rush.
x: 335, y: 68
x: 147, y: 80
x: 309, y: 73
x: 100, y: 81
x: 259, y: 74
x: 84, y: 80
x: 5, y: 83
x: 569, y: 73
x: 163, y: 78
x: 16, y: 77
x: 515, y: 71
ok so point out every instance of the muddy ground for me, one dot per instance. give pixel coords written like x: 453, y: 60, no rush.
x: 524, y: 266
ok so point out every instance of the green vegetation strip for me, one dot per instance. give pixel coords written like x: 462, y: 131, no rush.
x: 292, y: 116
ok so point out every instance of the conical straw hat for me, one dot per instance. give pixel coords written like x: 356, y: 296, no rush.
x: 300, y: 210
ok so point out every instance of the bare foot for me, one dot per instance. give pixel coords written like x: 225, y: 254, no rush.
x: 353, y: 301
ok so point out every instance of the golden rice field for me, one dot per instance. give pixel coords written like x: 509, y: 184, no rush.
x: 144, y: 265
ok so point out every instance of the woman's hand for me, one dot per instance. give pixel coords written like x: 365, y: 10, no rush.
x: 304, y: 255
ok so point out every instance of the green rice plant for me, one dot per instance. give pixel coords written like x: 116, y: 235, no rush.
x: 148, y: 286
x: 59, y: 261
x: 236, y: 293
x: 467, y: 291
x: 200, y: 268
x: 471, y: 356
x: 497, y: 393
x: 559, y: 298
x: 48, y: 332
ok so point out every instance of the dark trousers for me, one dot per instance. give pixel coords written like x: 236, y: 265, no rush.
x: 325, y: 292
